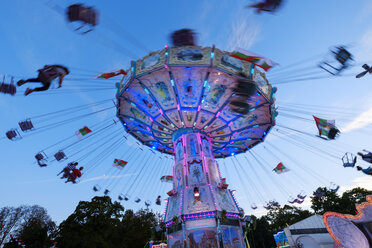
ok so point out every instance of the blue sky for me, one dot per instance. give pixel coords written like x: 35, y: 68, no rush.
x: 35, y: 33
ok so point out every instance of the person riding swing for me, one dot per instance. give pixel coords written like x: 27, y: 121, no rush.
x: 45, y: 77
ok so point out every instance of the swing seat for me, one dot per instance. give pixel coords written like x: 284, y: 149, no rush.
x: 147, y: 203
x: 120, y: 198
x: 106, y: 192
x: 276, y: 204
x: 96, y: 188
x: 8, y: 89
x: 86, y: 16
x: 301, y: 195
x: 137, y: 200
x: 41, y: 159
x: 254, y: 206
x: 26, y: 125
x: 60, y: 156
x: 39, y: 156
x: 158, y: 202
x: 268, y: 206
x: 349, y: 160
x: 126, y: 197
x: 13, y: 135
x: 334, y: 190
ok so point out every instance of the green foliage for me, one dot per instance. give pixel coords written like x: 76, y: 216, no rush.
x: 332, y: 202
x: 101, y: 223
x: 31, y: 224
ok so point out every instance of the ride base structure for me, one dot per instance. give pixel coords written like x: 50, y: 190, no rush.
x: 176, y: 102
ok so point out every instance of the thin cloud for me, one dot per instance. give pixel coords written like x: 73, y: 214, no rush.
x: 362, y: 182
x: 244, y: 33
x: 361, y: 121
x: 105, y: 177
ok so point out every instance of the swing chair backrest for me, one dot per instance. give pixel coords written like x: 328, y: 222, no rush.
x: 26, y: 125
x: 343, y: 55
x: 349, y: 160
x: 60, y: 156
x: 39, y: 156
x: 13, y: 134
x: 8, y: 89
x: 96, y: 188
x: 78, y: 12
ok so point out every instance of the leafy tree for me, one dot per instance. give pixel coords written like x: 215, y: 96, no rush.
x: 139, y: 228
x: 94, y: 224
x: 262, y: 236
x: 281, y: 217
x: 331, y: 201
x: 352, y: 197
x: 31, y: 224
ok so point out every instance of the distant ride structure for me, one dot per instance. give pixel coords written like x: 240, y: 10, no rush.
x: 177, y: 102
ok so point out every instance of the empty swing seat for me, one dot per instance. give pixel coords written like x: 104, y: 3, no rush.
x: 60, y: 156
x: 8, y: 89
x: 106, y: 192
x: 137, y: 200
x: 96, y: 188
x: 13, y: 134
x: 26, y: 125
x: 121, y: 197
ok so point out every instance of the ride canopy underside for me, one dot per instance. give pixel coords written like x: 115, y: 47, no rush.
x: 188, y: 88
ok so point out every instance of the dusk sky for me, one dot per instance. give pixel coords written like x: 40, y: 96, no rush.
x: 298, y: 36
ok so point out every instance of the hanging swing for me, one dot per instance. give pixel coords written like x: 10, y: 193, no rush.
x: 13, y: 134
x: 126, y: 197
x: 334, y: 187
x: 96, y: 188
x: 85, y: 18
x: 254, y: 206
x: 291, y: 200
x: 60, y: 156
x: 121, y: 197
x: 302, y: 195
x: 8, y: 88
x: 349, y: 160
x: 26, y: 125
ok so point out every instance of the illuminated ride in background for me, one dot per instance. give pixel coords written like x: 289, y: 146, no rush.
x: 177, y: 101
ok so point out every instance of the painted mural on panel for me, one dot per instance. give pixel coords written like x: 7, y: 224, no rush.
x: 213, y: 172
x: 225, y: 201
x: 179, y: 150
x: 192, y: 145
x: 178, y: 176
x: 216, y: 93
x: 206, y: 148
x: 175, y: 240
x: 196, y: 174
x: 231, y: 237
x: 173, y: 207
x: 163, y: 91
x: 137, y: 113
x: 202, y: 238
x: 203, y: 204
x: 150, y: 61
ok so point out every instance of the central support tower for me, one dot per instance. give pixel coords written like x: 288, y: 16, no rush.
x: 201, y: 211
